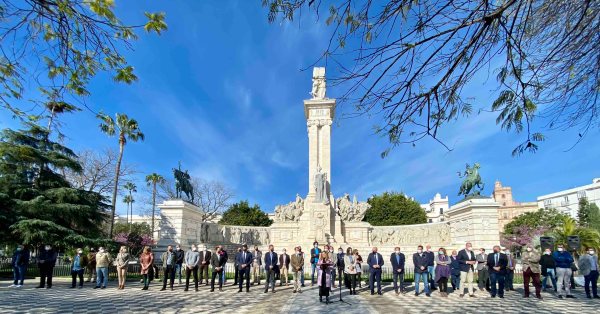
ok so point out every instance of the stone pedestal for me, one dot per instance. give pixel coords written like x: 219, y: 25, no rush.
x: 475, y: 220
x: 180, y: 223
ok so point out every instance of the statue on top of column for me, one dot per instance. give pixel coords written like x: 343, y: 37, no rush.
x: 321, y: 193
x: 318, y: 85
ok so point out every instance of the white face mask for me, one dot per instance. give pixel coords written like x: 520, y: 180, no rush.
x: 101, y: 250
x: 194, y: 248
x: 591, y: 252
x: 469, y: 249
x: 419, y: 251
x: 547, y: 253
x: 397, y: 251
x: 80, y: 251
x: 560, y: 249
x: 47, y: 248
x: 528, y: 249
x: 178, y: 249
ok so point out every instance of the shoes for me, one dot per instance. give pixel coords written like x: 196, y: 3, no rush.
x: 239, y: 290
x: 372, y: 293
x: 539, y: 297
x: 501, y: 296
x: 428, y: 294
x: 560, y: 296
x: 186, y: 289
x: 397, y: 293
x: 302, y: 285
x: 273, y: 290
x: 472, y: 295
x: 417, y: 294
x: 525, y: 296
x: 595, y: 297
x: 461, y: 295
x: 73, y: 287
x: 163, y: 289
x: 212, y: 290
x: 379, y: 293
x: 103, y: 287
x: 493, y: 295
x: 96, y: 287
x: 171, y: 288
x: 48, y: 287
x: 266, y: 290
x: 299, y: 291
x: 320, y: 299
x: 571, y: 296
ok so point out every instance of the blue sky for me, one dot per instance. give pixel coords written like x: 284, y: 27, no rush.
x: 221, y: 91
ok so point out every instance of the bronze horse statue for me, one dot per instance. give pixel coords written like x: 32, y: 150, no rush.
x: 472, y: 180
x: 183, y: 184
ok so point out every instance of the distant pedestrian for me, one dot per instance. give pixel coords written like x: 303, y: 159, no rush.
x: 103, y: 261
x: 46, y: 262
x: 78, y: 264
x: 20, y: 262
x: 146, y: 263
x: 122, y: 262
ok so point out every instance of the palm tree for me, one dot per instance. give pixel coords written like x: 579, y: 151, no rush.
x: 128, y: 199
x: 153, y: 179
x: 127, y: 129
x: 131, y: 187
x: 587, y: 237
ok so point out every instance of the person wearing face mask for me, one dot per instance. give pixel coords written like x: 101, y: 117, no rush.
x: 103, y: 260
x: 375, y: 262
x: 496, y: 263
x: 271, y: 268
x: 236, y: 269
x: 168, y: 260
x: 588, y: 267
x: 467, y: 260
x: 531, y: 271
x: 192, y: 259
x: 146, y: 263
x: 325, y: 265
x: 340, y: 264
x: 548, y: 269
x: 20, y: 261
x: 333, y: 257
x: 350, y: 266
x: 398, y: 260
x: 430, y: 267
x: 563, y: 261
x: 297, y: 262
x: 284, y: 265
x: 420, y: 261
x: 454, y: 270
x: 482, y: 271
x: 256, y: 266
x: 510, y: 271
x: 359, y: 261
x: 91, y: 266
x: 46, y: 262
x: 244, y: 261
x: 442, y: 271
x: 314, y: 258
x: 78, y: 263
x: 179, y: 256
x: 122, y: 261
x: 205, y: 257
x: 218, y: 261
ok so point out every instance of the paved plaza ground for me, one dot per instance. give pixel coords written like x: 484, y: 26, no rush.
x: 62, y: 299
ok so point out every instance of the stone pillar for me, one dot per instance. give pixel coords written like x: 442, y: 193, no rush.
x: 475, y: 220
x: 180, y: 223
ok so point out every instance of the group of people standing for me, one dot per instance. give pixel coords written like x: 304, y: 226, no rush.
x: 495, y: 271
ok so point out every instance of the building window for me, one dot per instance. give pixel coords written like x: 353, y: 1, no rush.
x: 547, y: 203
x: 503, y: 196
x: 441, y: 211
x: 505, y: 215
x: 430, y: 220
x: 566, y: 200
x: 581, y: 194
x: 504, y: 204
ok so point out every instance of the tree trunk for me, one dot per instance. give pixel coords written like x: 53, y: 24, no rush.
x: 114, y: 198
x: 153, y: 206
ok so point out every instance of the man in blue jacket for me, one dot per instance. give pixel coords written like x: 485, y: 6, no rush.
x: 397, y: 259
x: 375, y: 261
x: 563, y: 261
x: 314, y: 259
x: 271, y: 268
x: 20, y: 261
x: 421, y: 261
x: 244, y: 260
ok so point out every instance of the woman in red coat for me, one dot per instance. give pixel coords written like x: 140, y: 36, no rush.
x: 146, y: 260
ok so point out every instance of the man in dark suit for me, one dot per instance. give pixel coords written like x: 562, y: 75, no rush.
x: 375, y: 261
x: 271, y: 268
x: 217, y: 262
x: 496, y: 264
x: 430, y: 267
x: 421, y: 261
x: 244, y: 260
x: 314, y: 259
x: 340, y: 264
x: 397, y: 259
x: 205, y: 258
x: 236, y: 276
x: 466, y: 259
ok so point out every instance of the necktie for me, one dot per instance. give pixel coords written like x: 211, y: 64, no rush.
x: 244, y: 257
x: 496, y: 256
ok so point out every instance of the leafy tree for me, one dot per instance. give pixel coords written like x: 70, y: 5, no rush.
x: 152, y: 180
x: 548, y: 218
x: 135, y: 236
x: 587, y: 237
x: 58, y: 47
x: 390, y: 209
x: 588, y: 215
x: 38, y: 203
x: 410, y: 62
x: 127, y: 129
x: 241, y: 214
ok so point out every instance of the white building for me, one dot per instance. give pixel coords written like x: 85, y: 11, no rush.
x: 436, y: 208
x: 567, y: 201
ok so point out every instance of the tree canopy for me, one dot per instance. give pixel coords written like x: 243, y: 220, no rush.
x: 547, y: 218
x: 391, y: 208
x: 241, y: 214
x: 39, y: 205
x: 589, y: 214
x: 411, y: 62
x: 58, y: 47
